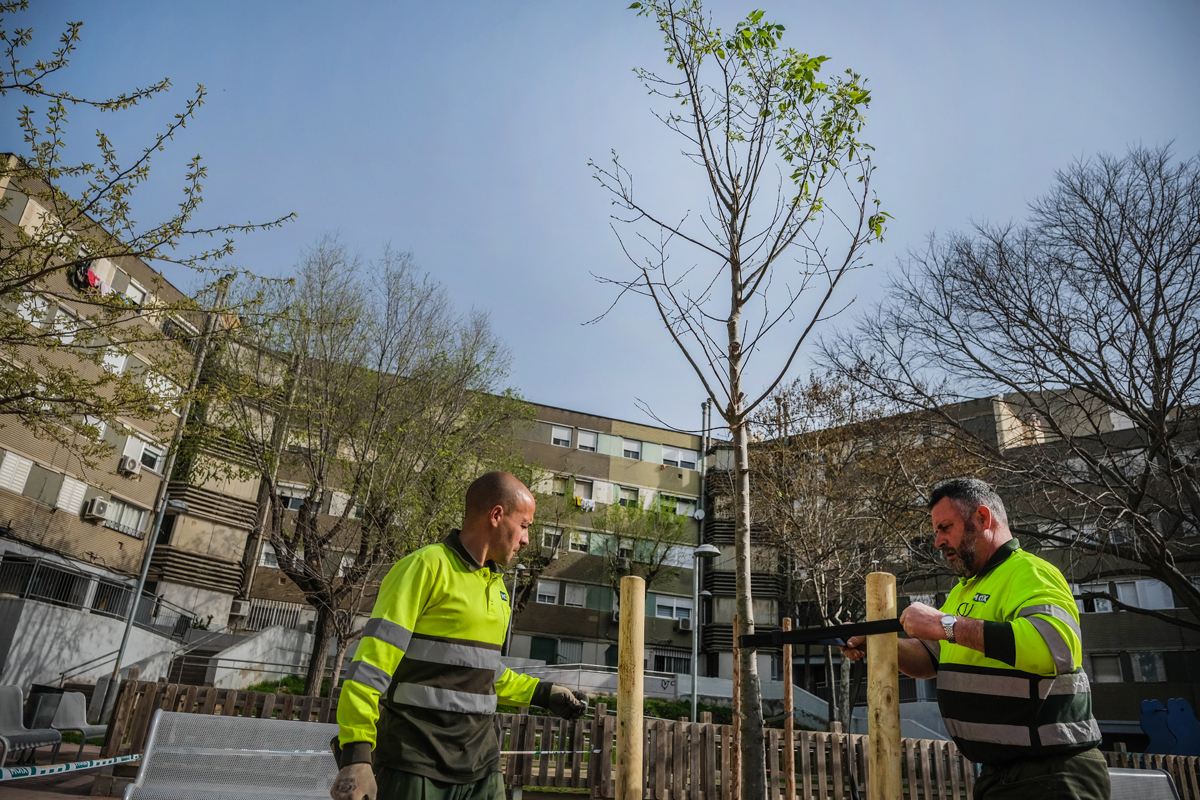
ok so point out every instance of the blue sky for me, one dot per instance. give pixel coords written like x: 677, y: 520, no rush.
x: 462, y: 132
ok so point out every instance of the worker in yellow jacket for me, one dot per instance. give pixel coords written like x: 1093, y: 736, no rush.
x: 1005, y: 649
x: 415, y: 712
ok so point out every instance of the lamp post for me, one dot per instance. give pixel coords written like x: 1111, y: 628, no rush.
x: 701, y: 553
x: 511, y: 594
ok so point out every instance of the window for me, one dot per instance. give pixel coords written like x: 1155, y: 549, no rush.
x: 66, y: 325
x: 547, y: 592
x: 36, y: 310
x: 14, y: 471
x: 675, y: 457
x: 579, y: 541
x: 575, y: 595
x: 672, y: 607
x: 96, y: 423
x: 680, y: 505
x: 136, y: 295
x: 70, y: 496
x: 629, y: 497
x: 153, y: 457
x: 631, y: 449
x: 165, y: 391
x: 115, y: 361
x: 344, y: 566
x: 126, y: 518
x: 583, y: 489
x: 558, y: 486
x: 268, y: 557
x: 551, y: 537
x: 337, y: 506
x: 1093, y: 605
x: 560, y: 436
x: 587, y: 441
x: 292, y: 497
x: 671, y: 659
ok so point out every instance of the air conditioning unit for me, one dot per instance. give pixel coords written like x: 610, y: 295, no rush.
x: 239, y: 608
x: 684, y: 625
x: 96, y: 508
x: 129, y: 465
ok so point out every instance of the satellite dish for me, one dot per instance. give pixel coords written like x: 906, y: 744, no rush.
x: 699, y: 514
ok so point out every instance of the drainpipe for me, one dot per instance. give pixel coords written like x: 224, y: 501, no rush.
x: 160, y: 504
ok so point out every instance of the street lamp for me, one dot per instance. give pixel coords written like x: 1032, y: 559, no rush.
x: 512, y: 613
x: 701, y: 553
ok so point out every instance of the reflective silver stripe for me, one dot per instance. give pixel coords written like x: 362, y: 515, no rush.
x: 500, y: 670
x: 369, y: 675
x: 1069, y: 732
x: 1052, y: 611
x: 387, y: 631
x: 1002, y: 685
x: 453, y: 655
x: 1060, y: 651
x: 414, y: 694
x: 986, y: 732
x: 1072, y: 683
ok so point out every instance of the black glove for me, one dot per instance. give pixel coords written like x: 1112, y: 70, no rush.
x: 560, y: 700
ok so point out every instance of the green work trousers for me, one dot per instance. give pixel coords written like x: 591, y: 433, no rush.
x: 395, y: 784
x: 1083, y: 776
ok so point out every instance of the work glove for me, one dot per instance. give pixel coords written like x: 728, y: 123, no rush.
x: 560, y: 700
x: 354, y: 782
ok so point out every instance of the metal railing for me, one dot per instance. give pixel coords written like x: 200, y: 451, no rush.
x: 48, y: 582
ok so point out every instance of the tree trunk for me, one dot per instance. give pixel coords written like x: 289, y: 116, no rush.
x: 319, y: 655
x: 753, y: 751
x: 831, y: 700
x: 847, y: 710
x: 343, y: 644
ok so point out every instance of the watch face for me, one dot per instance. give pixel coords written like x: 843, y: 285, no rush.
x: 948, y: 620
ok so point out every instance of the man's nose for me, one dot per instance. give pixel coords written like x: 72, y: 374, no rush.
x: 940, y: 538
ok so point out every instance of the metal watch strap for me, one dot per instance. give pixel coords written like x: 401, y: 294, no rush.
x: 948, y: 627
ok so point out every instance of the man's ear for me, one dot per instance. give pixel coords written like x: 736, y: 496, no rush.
x: 985, y: 517
x: 496, y: 514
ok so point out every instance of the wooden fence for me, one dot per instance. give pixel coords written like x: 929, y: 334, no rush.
x: 683, y: 761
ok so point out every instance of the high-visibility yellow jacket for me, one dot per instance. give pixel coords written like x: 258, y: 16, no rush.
x: 1026, y: 695
x: 426, y: 677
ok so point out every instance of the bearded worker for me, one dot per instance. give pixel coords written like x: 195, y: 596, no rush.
x: 1005, y: 650
x: 415, y: 714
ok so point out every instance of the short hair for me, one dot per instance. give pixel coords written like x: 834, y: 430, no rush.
x: 969, y: 494
x: 495, y: 489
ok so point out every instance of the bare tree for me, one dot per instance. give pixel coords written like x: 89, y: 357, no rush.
x: 838, y: 482
x: 1084, y: 325
x: 390, y: 404
x: 779, y: 150
x: 652, y: 543
x: 63, y: 227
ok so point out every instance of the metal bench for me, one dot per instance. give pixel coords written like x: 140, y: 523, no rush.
x: 14, y: 736
x: 204, y: 757
x: 1142, y: 784
x: 72, y: 716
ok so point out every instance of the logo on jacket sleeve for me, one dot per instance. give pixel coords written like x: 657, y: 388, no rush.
x: 981, y: 598
x: 504, y: 597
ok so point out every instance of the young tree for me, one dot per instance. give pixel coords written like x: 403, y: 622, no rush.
x: 64, y: 225
x: 1084, y: 324
x: 652, y: 543
x: 368, y: 392
x: 779, y: 150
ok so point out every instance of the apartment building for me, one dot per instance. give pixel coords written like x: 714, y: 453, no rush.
x: 618, y: 498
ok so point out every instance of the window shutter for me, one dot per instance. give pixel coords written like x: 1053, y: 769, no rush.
x: 133, y: 448
x: 14, y: 471
x: 338, y: 503
x: 70, y: 497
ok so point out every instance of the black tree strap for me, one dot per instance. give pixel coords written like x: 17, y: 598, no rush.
x: 834, y: 635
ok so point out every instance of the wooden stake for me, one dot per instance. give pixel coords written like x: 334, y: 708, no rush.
x: 630, y: 686
x: 883, y: 692
x: 789, y: 722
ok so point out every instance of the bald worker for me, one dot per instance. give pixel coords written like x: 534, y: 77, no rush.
x: 415, y: 714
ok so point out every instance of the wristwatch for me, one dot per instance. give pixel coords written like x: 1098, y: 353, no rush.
x: 948, y: 626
